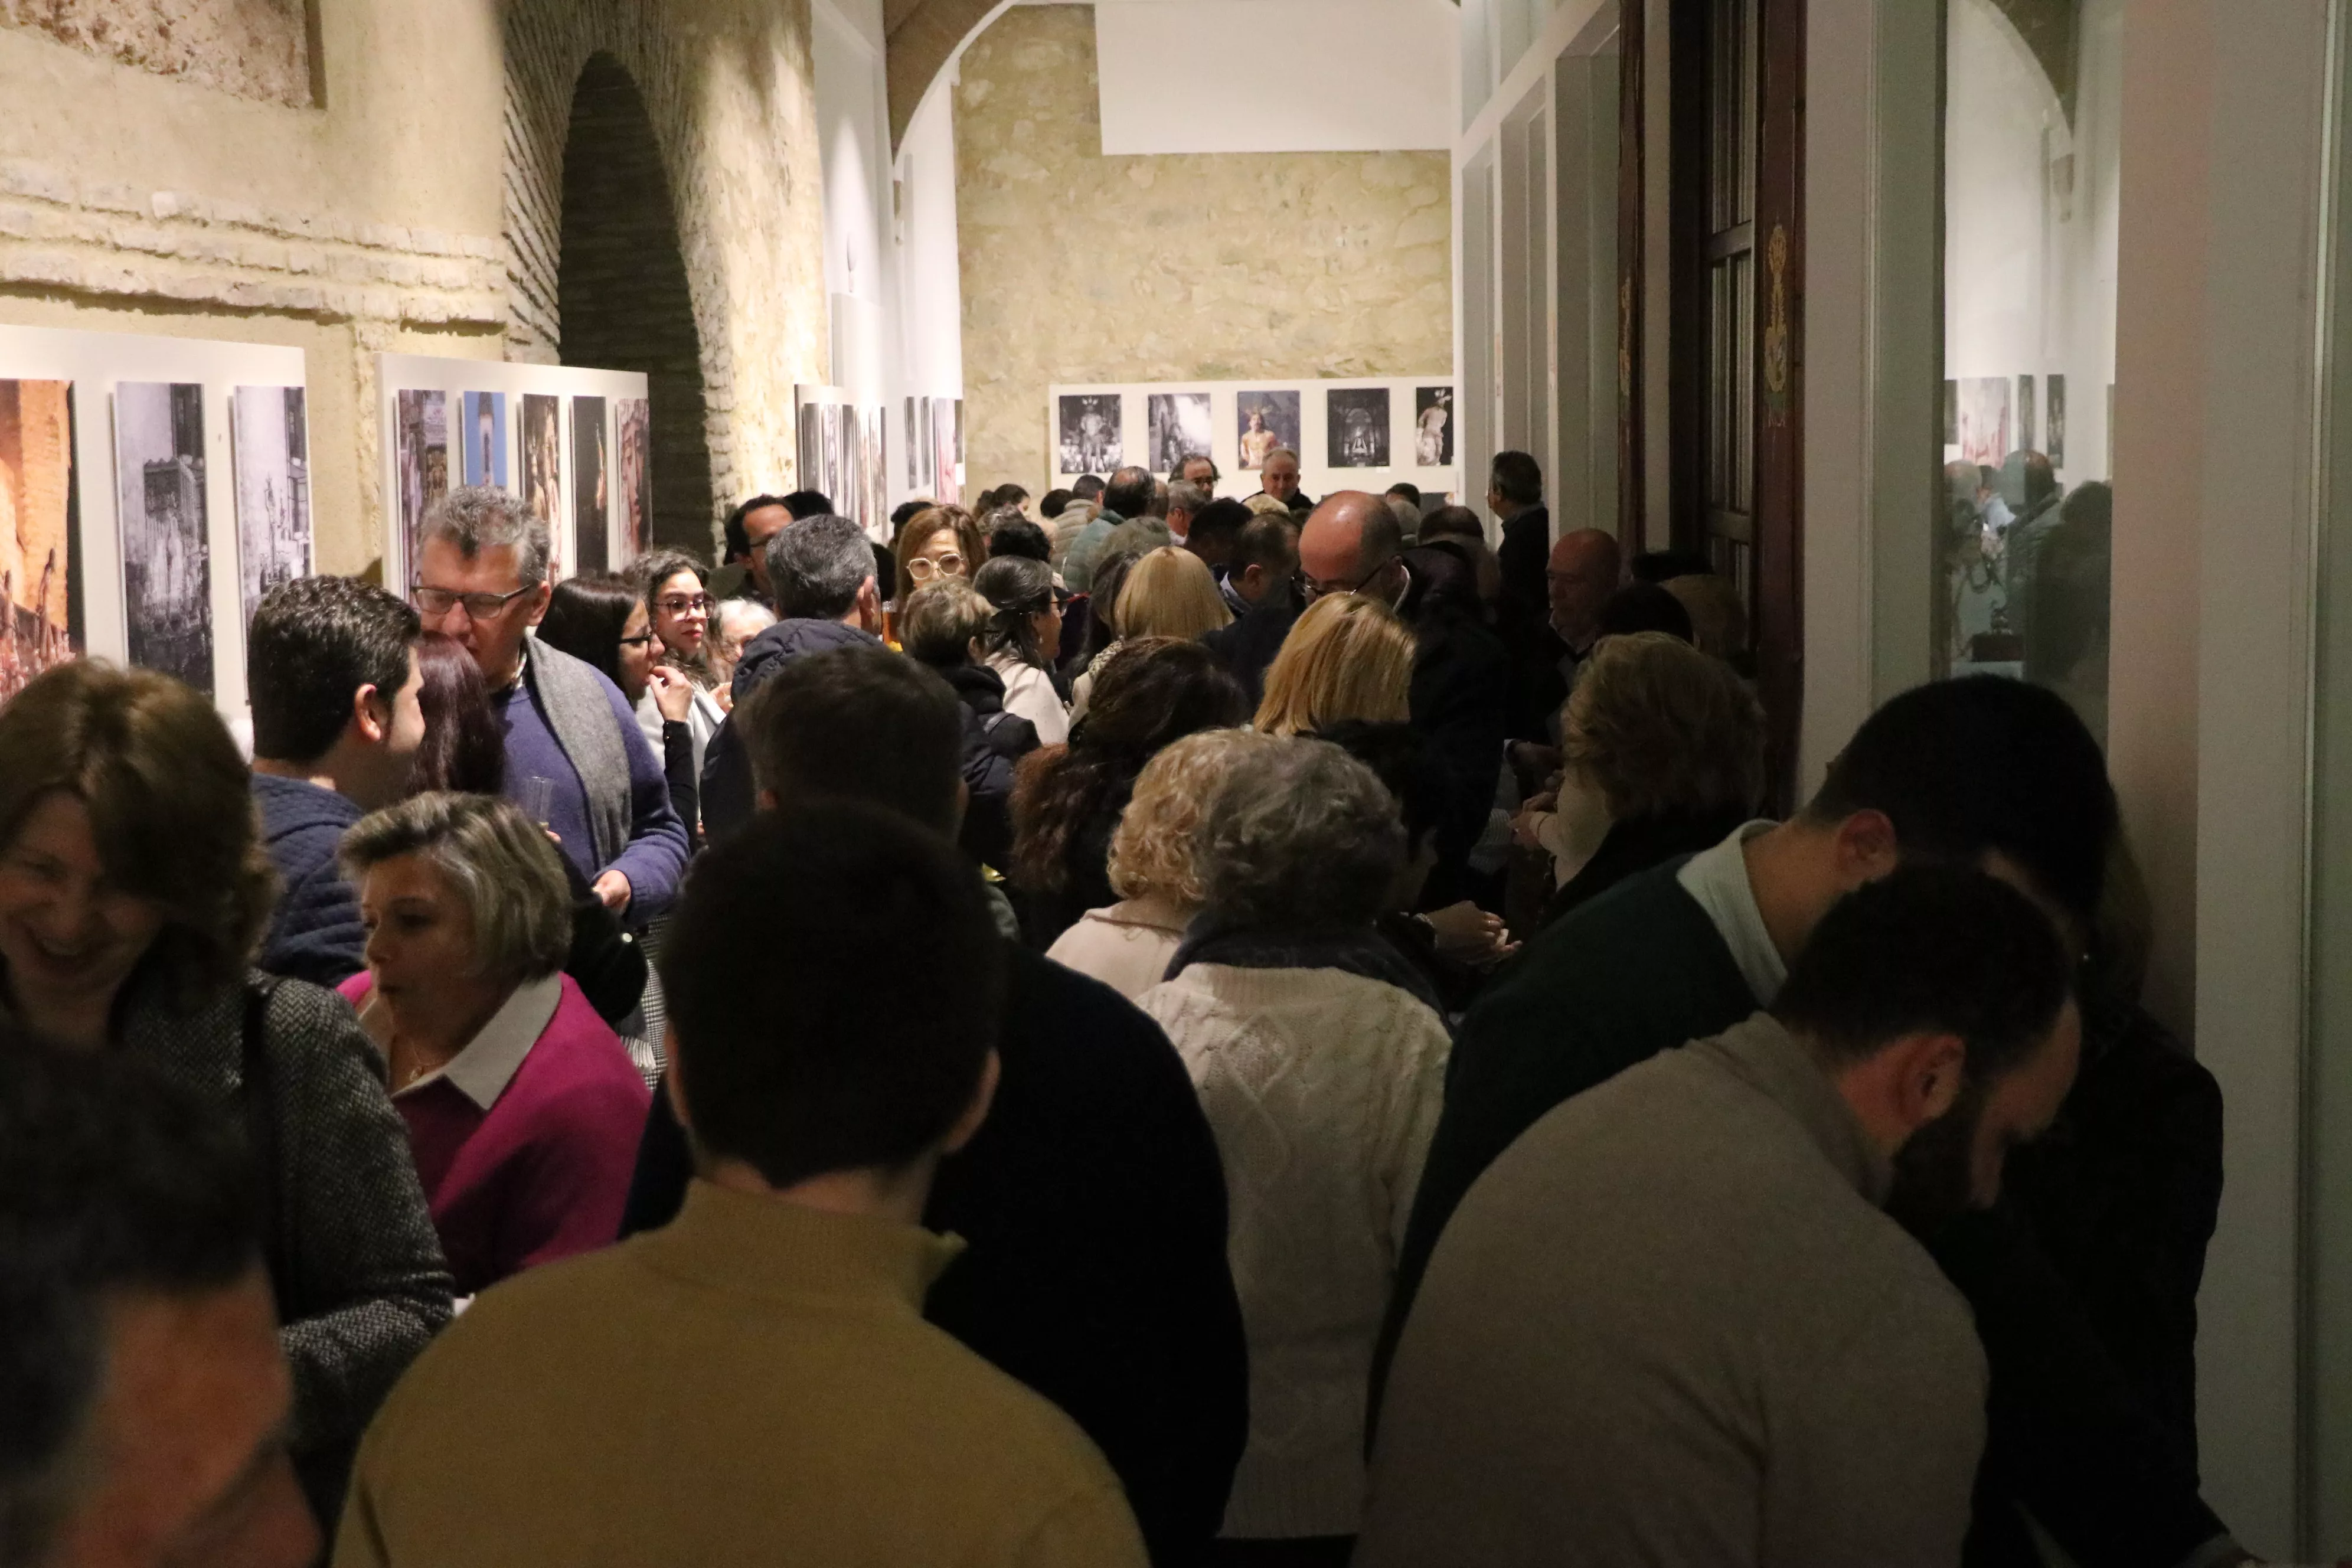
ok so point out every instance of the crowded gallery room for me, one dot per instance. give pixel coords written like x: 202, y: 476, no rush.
x: 1175, y: 784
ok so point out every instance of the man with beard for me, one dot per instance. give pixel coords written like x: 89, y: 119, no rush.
x: 1678, y: 1321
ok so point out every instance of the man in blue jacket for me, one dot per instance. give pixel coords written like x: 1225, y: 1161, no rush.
x: 332, y: 669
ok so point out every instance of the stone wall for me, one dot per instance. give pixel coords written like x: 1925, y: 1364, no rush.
x: 254, y: 49
x: 1191, y: 267
x: 417, y: 207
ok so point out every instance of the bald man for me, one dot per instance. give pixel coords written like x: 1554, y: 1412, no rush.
x: 1460, y: 694
x: 1580, y: 576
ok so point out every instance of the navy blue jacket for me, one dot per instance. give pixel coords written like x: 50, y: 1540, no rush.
x: 315, y: 933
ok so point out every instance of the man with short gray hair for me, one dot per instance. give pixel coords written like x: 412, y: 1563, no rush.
x: 1279, y: 478
x: 1185, y: 501
x: 576, y: 761
x: 822, y: 572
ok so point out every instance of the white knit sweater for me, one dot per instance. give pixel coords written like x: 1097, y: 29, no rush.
x: 1323, y: 1090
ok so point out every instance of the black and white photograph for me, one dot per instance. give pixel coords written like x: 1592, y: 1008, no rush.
x: 542, y: 459
x: 39, y: 510
x: 423, y: 455
x: 1180, y: 429
x: 159, y: 455
x: 592, y: 509
x: 270, y: 442
x: 1266, y: 420
x: 1090, y: 435
x: 912, y: 447
x: 1356, y: 426
x: 483, y: 433
x: 2053, y: 420
x: 633, y: 454
x: 1433, y: 426
x: 878, y: 472
x: 2025, y: 426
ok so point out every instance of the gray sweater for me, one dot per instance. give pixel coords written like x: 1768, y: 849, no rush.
x: 1672, y: 1325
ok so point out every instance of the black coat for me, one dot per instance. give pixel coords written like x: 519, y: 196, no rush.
x: 1636, y: 845
x: 1459, y: 703
x: 994, y: 740
x: 728, y: 795
x: 1094, y: 1206
x: 1247, y: 647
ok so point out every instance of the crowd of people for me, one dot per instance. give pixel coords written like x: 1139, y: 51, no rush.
x: 1170, y: 1030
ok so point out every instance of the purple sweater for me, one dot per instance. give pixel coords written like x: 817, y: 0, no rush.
x: 656, y: 855
x: 542, y: 1170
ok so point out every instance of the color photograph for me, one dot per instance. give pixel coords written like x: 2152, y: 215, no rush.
x: 1089, y: 433
x: 39, y: 511
x: 424, y: 457
x: 949, y: 489
x: 1432, y: 436
x: 2053, y: 419
x: 1984, y: 419
x: 633, y: 451
x: 1356, y: 426
x: 269, y: 441
x: 1180, y: 428
x: 592, y: 509
x: 483, y: 430
x: 159, y: 455
x: 1266, y: 420
x: 542, y: 457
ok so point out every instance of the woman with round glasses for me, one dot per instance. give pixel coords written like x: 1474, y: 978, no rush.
x: 677, y: 612
x: 937, y: 541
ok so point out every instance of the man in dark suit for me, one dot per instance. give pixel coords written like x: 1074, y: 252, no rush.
x: 1259, y: 588
x: 1515, y: 495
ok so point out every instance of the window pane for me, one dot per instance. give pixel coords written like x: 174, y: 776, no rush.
x: 2032, y: 150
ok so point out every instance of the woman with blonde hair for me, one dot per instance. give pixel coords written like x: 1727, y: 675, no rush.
x: 1168, y: 592
x: 1348, y: 658
x: 1127, y: 945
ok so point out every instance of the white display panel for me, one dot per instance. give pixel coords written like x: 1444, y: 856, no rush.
x: 1362, y: 434
x: 97, y: 363
x: 534, y: 432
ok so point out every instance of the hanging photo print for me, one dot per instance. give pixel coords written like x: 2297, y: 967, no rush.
x: 159, y: 434
x: 269, y: 441
x: 423, y: 450
x: 1090, y: 442
x: 1267, y: 420
x: 483, y: 430
x: 1356, y: 426
x: 633, y: 417
x: 590, y: 501
x: 1180, y: 428
x: 38, y: 512
x: 1433, y: 438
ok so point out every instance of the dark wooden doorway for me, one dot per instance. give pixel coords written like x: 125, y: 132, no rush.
x: 1736, y: 317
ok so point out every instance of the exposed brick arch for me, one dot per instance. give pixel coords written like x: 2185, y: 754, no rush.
x: 923, y: 36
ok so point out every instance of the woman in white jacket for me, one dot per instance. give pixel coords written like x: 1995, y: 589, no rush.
x: 1320, y: 1061
x: 1024, y: 640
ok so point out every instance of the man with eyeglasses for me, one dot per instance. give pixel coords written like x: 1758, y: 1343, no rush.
x: 1460, y: 676
x: 573, y: 746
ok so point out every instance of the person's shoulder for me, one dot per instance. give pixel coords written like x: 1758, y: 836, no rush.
x: 295, y: 811
x: 1649, y: 921
x: 1012, y: 1444
x: 1085, y: 1036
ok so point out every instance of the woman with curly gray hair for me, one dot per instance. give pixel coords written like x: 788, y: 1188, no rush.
x: 1322, y: 1068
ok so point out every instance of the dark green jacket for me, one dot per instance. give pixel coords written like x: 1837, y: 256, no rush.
x: 1638, y: 971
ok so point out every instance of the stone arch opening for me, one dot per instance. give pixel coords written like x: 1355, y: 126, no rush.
x: 621, y: 287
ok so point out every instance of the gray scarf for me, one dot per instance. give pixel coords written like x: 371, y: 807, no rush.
x: 571, y: 697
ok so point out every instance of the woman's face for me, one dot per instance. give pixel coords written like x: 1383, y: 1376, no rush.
x: 1047, y: 624
x: 941, y: 556
x: 682, y: 615
x: 420, y: 943
x: 639, y: 652
x: 67, y: 934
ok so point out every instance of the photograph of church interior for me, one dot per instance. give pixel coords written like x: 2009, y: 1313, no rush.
x: 1220, y: 783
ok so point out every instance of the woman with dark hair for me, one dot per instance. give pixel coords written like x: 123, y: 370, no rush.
x: 1017, y: 536
x: 600, y: 618
x: 944, y: 626
x: 937, y: 541
x: 1067, y: 799
x: 1024, y: 639
x: 464, y: 747
x: 132, y: 897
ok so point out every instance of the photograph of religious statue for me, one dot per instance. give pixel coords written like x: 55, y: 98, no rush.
x: 1356, y: 426
x: 2053, y: 420
x: 1180, y: 429
x: 1090, y: 436
x: 270, y: 443
x: 2025, y: 423
x: 39, y: 510
x: 592, y: 508
x: 482, y: 427
x: 422, y: 452
x: 158, y: 461
x: 1267, y: 420
x: 877, y: 516
x: 633, y: 452
x: 542, y: 457
x: 911, y: 448
x: 1984, y: 419
x: 1432, y: 432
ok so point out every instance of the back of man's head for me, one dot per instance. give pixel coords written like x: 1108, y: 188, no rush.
x: 1050, y: 505
x: 806, y: 504
x: 1216, y: 523
x: 117, y: 1188
x: 1929, y: 950
x: 1518, y: 478
x: 816, y: 567
x: 858, y: 724
x: 1965, y: 768
x: 1089, y: 487
x: 1130, y: 492
x: 783, y: 939
x: 315, y: 641
x: 1270, y: 541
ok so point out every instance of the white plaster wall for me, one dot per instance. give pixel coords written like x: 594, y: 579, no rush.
x: 929, y: 271
x: 854, y: 140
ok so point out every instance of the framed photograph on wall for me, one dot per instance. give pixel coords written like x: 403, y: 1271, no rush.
x: 1433, y: 426
x: 2053, y: 420
x: 1180, y: 428
x: 424, y: 458
x: 1266, y: 420
x: 482, y: 431
x: 949, y: 489
x: 542, y: 459
x: 270, y: 443
x: 1983, y: 431
x: 590, y: 512
x: 1356, y: 426
x: 1089, y: 435
x: 37, y: 598
x: 2025, y: 421
x: 633, y: 454
x: 161, y: 521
